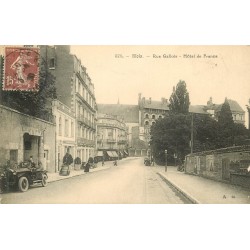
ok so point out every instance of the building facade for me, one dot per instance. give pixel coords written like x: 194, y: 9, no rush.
x: 128, y: 113
x: 112, y: 137
x: 149, y: 112
x: 23, y: 136
x: 65, y: 131
x: 75, y: 92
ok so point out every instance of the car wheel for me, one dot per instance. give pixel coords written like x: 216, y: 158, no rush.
x: 44, y: 180
x: 23, y: 184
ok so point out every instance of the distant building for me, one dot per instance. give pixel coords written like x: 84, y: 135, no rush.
x: 237, y: 112
x: 112, y: 137
x: 149, y: 112
x: 75, y: 92
x: 129, y: 114
x: 139, y: 118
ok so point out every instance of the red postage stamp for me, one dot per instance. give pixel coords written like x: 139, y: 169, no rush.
x: 21, y: 69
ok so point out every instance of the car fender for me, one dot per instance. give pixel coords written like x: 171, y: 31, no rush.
x: 19, y: 175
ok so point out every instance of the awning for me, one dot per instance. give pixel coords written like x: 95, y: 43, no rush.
x: 115, y: 154
x: 99, y: 153
x: 110, y: 153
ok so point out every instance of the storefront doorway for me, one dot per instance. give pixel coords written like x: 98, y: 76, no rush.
x: 31, y: 147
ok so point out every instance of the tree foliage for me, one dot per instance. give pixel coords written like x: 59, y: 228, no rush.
x: 37, y: 103
x: 171, y: 133
x: 205, y: 133
x: 179, y: 100
x: 174, y: 131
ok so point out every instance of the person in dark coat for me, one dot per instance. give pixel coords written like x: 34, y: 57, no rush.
x: 87, y: 166
x: 67, y: 159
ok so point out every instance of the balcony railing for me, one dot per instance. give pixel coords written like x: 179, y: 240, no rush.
x: 122, y: 141
x: 87, y: 122
x: 85, y: 142
x: 111, y: 140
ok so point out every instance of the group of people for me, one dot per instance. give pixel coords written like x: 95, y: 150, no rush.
x: 68, y: 160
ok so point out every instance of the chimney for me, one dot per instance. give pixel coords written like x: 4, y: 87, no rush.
x: 139, y: 98
x: 163, y: 100
x: 149, y: 100
x: 210, y: 102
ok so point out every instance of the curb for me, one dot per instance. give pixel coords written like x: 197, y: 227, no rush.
x: 71, y: 176
x: 187, y: 195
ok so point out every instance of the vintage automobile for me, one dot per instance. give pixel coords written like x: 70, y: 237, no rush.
x: 147, y: 161
x: 21, y: 177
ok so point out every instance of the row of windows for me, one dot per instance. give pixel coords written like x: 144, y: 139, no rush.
x: 147, y: 123
x: 84, y: 113
x: 85, y: 133
x: 111, y: 133
x: 84, y: 93
x: 147, y: 116
x: 238, y: 117
x: 66, y: 127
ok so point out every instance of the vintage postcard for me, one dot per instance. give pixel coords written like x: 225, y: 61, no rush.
x: 124, y: 124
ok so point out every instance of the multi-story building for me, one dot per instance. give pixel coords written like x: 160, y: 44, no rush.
x: 112, y: 136
x: 149, y: 112
x: 65, y: 131
x: 129, y: 114
x: 75, y: 92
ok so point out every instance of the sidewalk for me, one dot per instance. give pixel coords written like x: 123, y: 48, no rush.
x: 56, y: 177
x: 204, y: 191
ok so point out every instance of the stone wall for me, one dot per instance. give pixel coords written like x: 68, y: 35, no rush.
x: 23, y: 136
x: 220, y: 164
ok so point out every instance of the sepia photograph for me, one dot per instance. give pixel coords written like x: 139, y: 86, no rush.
x: 125, y: 124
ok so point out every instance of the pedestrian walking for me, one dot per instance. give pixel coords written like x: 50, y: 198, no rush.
x: 87, y: 166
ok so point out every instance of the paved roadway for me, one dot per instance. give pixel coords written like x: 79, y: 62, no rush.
x: 128, y: 183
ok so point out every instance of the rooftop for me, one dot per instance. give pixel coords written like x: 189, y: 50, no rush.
x: 130, y: 113
x: 234, y: 106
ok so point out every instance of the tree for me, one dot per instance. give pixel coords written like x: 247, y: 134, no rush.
x: 226, y: 126
x: 37, y: 103
x: 179, y: 100
x: 171, y: 133
x: 225, y: 118
x: 205, y: 133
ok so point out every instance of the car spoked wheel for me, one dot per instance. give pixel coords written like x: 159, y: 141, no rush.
x: 44, y: 180
x: 23, y: 184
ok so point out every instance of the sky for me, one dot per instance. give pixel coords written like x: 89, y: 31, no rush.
x: 209, y: 71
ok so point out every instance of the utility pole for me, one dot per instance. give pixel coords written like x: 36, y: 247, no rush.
x: 248, y: 109
x: 166, y: 160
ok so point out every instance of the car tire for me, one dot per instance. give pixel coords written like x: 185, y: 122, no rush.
x: 44, y: 180
x: 23, y: 184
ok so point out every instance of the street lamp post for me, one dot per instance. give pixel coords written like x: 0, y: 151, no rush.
x: 166, y: 160
x: 175, y: 157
